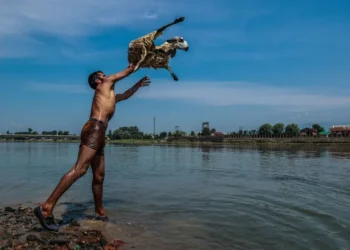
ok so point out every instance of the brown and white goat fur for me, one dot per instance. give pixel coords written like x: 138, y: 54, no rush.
x: 143, y: 53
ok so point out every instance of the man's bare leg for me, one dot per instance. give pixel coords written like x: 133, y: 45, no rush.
x: 98, y: 171
x: 85, y: 157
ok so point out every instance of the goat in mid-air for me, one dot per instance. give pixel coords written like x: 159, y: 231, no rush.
x: 143, y: 53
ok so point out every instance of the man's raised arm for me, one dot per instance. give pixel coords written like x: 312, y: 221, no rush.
x: 122, y: 74
x: 143, y: 82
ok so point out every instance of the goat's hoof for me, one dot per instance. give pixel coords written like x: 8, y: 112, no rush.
x: 181, y: 19
x: 175, y: 78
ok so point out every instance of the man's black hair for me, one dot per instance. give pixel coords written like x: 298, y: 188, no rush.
x: 92, y: 79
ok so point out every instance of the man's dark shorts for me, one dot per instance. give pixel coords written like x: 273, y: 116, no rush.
x: 93, y: 135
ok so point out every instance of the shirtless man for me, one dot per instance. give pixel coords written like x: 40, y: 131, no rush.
x: 91, y: 150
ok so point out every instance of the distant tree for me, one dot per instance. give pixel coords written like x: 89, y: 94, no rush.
x: 147, y: 136
x: 30, y: 130
x: 252, y: 132
x: 180, y: 133
x: 127, y: 133
x: 8, y: 132
x: 212, y: 131
x: 169, y: 134
x: 318, y: 128
x: 193, y: 133
x: 35, y: 133
x: 163, y: 134
x: 245, y: 133
x: 292, y: 129
x: 110, y: 134
x: 265, y: 129
x: 278, y: 128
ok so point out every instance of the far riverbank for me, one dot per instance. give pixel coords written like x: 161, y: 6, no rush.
x: 225, y: 141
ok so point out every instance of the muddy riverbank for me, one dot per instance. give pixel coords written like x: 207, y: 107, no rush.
x: 20, y: 229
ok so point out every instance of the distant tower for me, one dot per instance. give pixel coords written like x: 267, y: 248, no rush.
x: 154, y: 127
x: 205, y: 125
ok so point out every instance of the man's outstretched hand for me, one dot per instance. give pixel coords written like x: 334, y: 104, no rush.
x: 131, y: 67
x: 145, y: 81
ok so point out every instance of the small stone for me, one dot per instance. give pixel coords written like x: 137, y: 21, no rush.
x: 59, y: 241
x: 10, y: 209
x: 103, y: 242
x: 21, y: 208
x: 76, y: 247
x: 74, y: 223
x: 118, y: 243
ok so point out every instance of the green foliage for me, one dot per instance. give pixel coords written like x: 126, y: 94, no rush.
x: 163, y: 134
x: 193, y: 133
x: 110, y: 134
x: 128, y: 133
x: 265, y: 129
x: 147, y: 136
x: 292, y: 129
x: 63, y: 132
x: 252, y: 132
x: 53, y: 132
x: 179, y: 133
x: 278, y: 128
x: 318, y: 128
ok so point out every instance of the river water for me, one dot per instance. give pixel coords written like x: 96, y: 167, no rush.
x: 167, y: 197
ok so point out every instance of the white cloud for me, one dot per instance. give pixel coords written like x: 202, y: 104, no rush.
x: 242, y: 93
x: 68, y: 20
x: 68, y: 17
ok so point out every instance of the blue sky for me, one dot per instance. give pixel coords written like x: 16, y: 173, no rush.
x: 249, y: 62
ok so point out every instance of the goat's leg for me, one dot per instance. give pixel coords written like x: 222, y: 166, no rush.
x: 143, y: 56
x: 172, y: 73
x: 160, y: 30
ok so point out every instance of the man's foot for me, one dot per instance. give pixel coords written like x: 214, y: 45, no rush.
x: 101, y: 217
x: 47, y: 223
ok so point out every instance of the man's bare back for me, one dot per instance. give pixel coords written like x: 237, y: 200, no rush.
x: 92, y: 143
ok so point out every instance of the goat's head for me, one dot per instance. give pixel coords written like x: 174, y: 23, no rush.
x: 178, y: 42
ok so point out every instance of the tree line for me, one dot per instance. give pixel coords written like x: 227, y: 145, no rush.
x: 133, y: 132
x: 30, y: 131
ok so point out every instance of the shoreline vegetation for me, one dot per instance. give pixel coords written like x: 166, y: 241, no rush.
x: 185, y: 141
x: 266, y: 134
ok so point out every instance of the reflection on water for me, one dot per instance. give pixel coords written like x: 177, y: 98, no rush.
x: 171, y: 197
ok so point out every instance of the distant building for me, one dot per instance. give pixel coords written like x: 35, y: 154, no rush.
x: 219, y: 134
x: 308, y: 132
x: 205, y: 125
x: 340, y: 130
